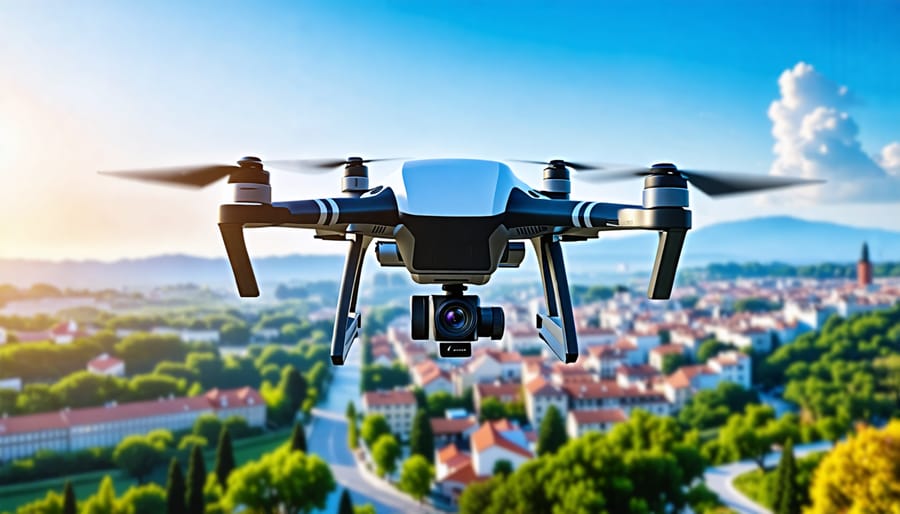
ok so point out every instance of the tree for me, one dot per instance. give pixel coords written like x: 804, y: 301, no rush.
x: 750, y: 435
x: 353, y: 434
x: 346, y: 504
x: 710, y: 348
x: 860, y: 474
x: 421, y: 438
x: 785, y: 497
x: 70, y: 504
x: 196, y: 479
x: 416, y: 476
x: 672, y: 361
x: 298, y: 438
x: 175, y: 489
x: 50, y: 504
x: 224, y: 458
x: 552, y: 434
x: 492, y: 409
x: 283, y: 480
x: 502, y: 467
x: 385, y: 453
x: 350, y: 412
x: 138, y: 456
x: 373, y: 427
x: 476, y: 497
x: 208, y: 426
x: 141, y: 351
x: 145, y: 499
x: 104, y: 501
x: 234, y: 333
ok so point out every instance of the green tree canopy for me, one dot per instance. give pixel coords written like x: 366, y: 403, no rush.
x: 137, y: 456
x: 416, y: 476
x: 373, y: 427
x: 385, y: 453
x: 552, y: 433
x: 421, y: 438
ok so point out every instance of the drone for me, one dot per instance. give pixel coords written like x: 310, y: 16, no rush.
x: 454, y: 222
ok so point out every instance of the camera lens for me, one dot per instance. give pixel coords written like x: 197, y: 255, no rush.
x: 455, y: 318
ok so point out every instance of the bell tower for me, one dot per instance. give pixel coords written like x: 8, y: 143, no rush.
x: 864, y: 268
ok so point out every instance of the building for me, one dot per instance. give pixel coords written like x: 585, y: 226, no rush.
x: 397, y: 406
x: 487, y: 365
x: 107, y: 366
x: 499, y: 440
x: 503, y: 392
x: 453, y: 472
x: 76, y: 429
x: 864, y: 268
x: 452, y: 430
x: 658, y: 354
x: 431, y: 378
x: 733, y: 367
x: 540, y: 394
x: 579, y: 422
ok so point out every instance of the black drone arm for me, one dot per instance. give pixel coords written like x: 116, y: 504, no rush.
x: 332, y: 214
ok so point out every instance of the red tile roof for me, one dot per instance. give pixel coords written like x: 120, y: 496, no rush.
x: 33, y: 423
x: 490, y: 435
x: 668, y: 349
x: 104, y: 362
x: 464, y: 474
x: 539, y: 386
x: 444, y: 426
x: 498, y: 390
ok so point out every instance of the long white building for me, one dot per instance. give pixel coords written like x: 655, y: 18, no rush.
x: 76, y: 429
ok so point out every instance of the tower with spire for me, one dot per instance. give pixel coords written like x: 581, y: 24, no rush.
x: 864, y: 268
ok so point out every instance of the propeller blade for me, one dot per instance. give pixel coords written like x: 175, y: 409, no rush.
x: 617, y: 173
x: 313, y: 166
x: 191, y: 176
x: 577, y: 166
x: 720, y: 184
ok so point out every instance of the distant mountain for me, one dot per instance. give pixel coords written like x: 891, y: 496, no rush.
x: 777, y: 238
x: 165, y: 270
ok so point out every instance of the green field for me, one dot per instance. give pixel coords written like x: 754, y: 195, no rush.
x: 753, y: 485
x: 85, y: 484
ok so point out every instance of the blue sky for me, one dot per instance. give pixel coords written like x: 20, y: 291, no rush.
x: 93, y: 85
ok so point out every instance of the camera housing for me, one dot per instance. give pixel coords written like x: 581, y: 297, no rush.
x: 454, y: 321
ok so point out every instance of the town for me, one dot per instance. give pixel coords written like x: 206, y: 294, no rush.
x: 472, y: 418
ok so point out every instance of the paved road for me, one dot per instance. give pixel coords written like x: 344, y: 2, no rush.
x: 328, y: 439
x: 720, y: 478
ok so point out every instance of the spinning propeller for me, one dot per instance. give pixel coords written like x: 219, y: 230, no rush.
x: 248, y: 170
x: 710, y: 182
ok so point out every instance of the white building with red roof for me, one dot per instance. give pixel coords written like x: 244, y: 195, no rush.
x: 636, y: 375
x: 106, y: 365
x: 454, y: 471
x: 398, y: 406
x: 579, y: 422
x: 65, y: 332
x: 733, y: 367
x: 540, y: 394
x: 499, y: 440
x: 452, y: 430
x: 520, y: 337
x: 487, y: 365
x: 431, y: 378
x: 75, y: 429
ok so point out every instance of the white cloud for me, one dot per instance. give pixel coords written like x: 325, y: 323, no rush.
x: 816, y: 138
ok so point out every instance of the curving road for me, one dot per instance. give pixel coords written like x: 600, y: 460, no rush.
x: 327, y: 437
x: 720, y: 478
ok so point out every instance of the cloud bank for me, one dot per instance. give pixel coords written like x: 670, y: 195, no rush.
x: 816, y: 138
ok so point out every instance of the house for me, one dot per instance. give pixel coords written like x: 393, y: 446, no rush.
x: 499, y: 440
x: 452, y: 430
x: 487, y: 365
x: 521, y: 337
x: 76, y: 429
x: 66, y: 332
x: 732, y: 366
x: 540, y: 394
x: 398, y: 407
x: 638, y: 376
x: 382, y: 352
x: 431, y: 378
x: 595, y: 336
x: 604, y: 360
x: 579, y: 422
x: 106, y: 365
x: 453, y: 472
x: 680, y: 386
x: 503, y: 392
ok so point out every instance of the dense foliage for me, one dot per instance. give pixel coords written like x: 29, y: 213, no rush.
x: 643, y: 465
x: 733, y: 270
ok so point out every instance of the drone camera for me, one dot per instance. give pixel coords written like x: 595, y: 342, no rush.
x: 454, y: 318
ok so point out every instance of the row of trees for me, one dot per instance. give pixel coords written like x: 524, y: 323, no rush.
x: 732, y: 270
x: 286, y: 480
